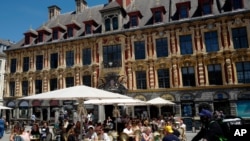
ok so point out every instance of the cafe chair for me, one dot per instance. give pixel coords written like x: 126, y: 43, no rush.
x: 124, y: 137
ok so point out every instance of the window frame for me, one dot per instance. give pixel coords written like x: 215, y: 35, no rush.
x: 69, y: 81
x: 70, y: 58
x: 141, y: 79
x: 54, y: 60
x: 86, y: 80
x: 38, y: 86
x: 185, y: 42
x: 188, y: 76
x: 25, y: 88
x: 13, y: 65
x: 211, y: 41
x: 139, y: 50
x: 86, y: 56
x: 161, y: 47
x: 239, y: 38
x: 112, y: 53
x: 243, y: 73
x: 26, y: 64
x: 53, y: 84
x: 163, y: 79
x: 39, y: 62
x: 12, y: 88
x: 214, y: 75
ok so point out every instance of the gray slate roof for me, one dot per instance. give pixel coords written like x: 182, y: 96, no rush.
x: 144, y: 6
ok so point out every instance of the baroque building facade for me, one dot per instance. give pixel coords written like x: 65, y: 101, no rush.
x: 194, y: 53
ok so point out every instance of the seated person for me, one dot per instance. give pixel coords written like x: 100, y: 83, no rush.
x: 129, y: 131
x: 91, y: 134
x: 35, y: 130
x: 147, y: 134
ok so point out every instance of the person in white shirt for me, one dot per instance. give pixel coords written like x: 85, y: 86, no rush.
x: 128, y: 129
x: 91, y: 134
x: 102, y: 135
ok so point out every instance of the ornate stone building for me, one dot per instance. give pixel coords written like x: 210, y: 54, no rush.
x: 194, y: 53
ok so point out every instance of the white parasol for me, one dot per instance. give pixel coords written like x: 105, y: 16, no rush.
x: 160, y: 102
x: 5, y: 108
x: 79, y: 93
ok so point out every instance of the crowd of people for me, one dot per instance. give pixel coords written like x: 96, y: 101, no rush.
x: 128, y: 129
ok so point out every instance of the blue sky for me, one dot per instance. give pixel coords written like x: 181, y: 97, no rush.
x: 17, y: 16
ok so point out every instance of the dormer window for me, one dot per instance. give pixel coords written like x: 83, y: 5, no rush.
x: 183, y: 9
x: 55, y: 34
x: 30, y: 36
x: 72, y: 28
x: 89, y: 26
x: 206, y: 6
x: 88, y: 29
x: 237, y: 4
x: 111, y: 23
x: 40, y: 37
x: 57, y: 31
x: 158, y: 13
x: 27, y: 39
x: 134, y: 18
x: 70, y: 32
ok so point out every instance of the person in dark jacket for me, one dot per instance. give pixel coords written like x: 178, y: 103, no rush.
x: 211, y: 130
x: 169, y: 136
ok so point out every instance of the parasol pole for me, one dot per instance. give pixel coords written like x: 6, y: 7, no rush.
x: 81, y: 111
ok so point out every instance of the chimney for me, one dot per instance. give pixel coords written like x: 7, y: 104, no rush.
x: 123, y: 3
x: 54, y: 11
x: 80, y: 5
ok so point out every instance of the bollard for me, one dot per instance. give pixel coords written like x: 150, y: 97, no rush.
x: 193, y: 130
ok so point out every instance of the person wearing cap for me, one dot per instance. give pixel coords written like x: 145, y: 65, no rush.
x: 210, y: 129
x: 169, y: 136
x: 91, y: 134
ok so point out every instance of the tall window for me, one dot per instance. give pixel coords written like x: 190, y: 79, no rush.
x: 163, y: 78
x: 112, y: 56
x: 111, y: 23
x: 214, y: 74
x: 27, y: 39
x: 25, y: 88
x: 240, y: 37
x: 141, y: 80
x: 115, y: 23
x: 53, y: 60
x: 211, y: 41
x: 12, y: 88
x: 86, y: 80
x: 107, y: 25
x: 133, y: 20
x: 186, y: 44
x: 243, y: 72
x: 26, y: 64
x: 237, y: 4
x: 86, y: 56
x: 139, y: 50
x: 13, y: 65
x: 55, y: 34
x: 39, y: 62
x: 39, y: 86
x: 69, y: 82
x: 188, y: 76
x: 53, y: 84
x: 162, y: 47
x: 69, y: 58
x: 158, y: 16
